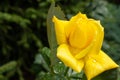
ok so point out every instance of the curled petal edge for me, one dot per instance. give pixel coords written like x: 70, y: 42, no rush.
x: 64, y: 55
x: 60, y: 30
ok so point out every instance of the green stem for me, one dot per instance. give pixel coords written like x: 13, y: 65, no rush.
x: 54, y: 59
x: 20, y: 74
x: 66, y: 71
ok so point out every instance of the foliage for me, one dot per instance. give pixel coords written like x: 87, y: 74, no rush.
x: 22, y: 28
x: 25, y: 52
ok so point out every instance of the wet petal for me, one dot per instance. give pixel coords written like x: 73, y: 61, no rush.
x: 96, y: 64
x: 60, y: 30
x: 69, y: 60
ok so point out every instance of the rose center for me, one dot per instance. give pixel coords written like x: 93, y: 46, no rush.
x: 81, y: 36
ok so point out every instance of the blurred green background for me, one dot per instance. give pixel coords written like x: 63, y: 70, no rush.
x: 24, y: 49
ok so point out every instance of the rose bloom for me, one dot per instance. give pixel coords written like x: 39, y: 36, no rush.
x: 80, y: 40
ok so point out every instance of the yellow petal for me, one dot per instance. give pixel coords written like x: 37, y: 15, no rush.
x: 60, y: 30
x: 70, y: 28
x: 96, y: 64
x: 65, y: 56
x: 78, y: 16
x: 84, y: 52
x: 82, y: 33
x: 98, y: 38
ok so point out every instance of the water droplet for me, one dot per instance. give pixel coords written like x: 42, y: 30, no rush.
x: 94, y: 60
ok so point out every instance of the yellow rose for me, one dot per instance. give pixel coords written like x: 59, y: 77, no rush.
x: 80, y: 41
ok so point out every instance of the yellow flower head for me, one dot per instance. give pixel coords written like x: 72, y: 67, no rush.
x: 80, y: 41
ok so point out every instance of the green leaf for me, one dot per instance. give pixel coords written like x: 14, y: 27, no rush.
x: 23, y: 22
x: 3, y: 77
x: 118, y: 73
x: 53, y: 11
x: 8, y: 67
x: 76, y: 76
x: 59, y: 68
x: 50, y: 76
x: 39, y: 59
x: 44, y: 76
x: 107, y: 75
x: 43, y: 58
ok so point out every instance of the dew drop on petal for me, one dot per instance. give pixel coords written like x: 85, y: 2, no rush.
x: 94, y: 60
